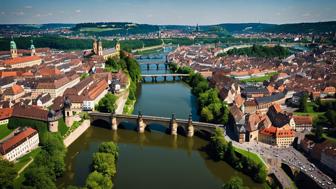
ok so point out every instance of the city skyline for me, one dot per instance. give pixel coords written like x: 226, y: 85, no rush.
x: 184, y: 12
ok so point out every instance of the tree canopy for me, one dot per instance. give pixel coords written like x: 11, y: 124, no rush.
x: 107, y: 103
x: 7, y: 174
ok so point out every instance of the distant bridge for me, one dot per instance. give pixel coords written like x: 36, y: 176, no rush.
x: 172, y: 124
x: 155, y: 76
x: 166, y: 64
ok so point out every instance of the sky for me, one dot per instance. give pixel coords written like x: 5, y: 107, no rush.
x: 180, y: 12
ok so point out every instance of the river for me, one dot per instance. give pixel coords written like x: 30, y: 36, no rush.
x: 153, y: 159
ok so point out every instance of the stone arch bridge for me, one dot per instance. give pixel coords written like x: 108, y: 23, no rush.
x: 142, y: 121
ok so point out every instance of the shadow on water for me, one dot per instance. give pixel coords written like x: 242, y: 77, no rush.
x: 101, y: 124
x: 157, y: 128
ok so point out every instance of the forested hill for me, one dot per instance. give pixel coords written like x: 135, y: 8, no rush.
x: 114, y: 28
x: 317, y: 27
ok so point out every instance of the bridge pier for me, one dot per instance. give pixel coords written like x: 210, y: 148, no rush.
x: 166, y: 66
x: 114, y: 122
x: 190, y: 127
x: 165, y: 78
x: 157, y: 66
x: 141, y: 123
x: 148, y: 66
x: 174, y: 78
x: 173, y: 125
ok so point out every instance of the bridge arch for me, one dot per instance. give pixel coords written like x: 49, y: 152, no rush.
x: 101, y: 122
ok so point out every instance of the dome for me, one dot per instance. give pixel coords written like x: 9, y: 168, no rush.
x: 51, y: 113
x: 32, y: 45
x: 12, y: 45
x: 67, y: 103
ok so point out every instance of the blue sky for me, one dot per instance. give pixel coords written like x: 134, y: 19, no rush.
x: 167, y: 12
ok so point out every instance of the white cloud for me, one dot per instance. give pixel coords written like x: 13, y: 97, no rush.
x: 3, y: 13
x: 306, y: 14
x: 19, y: 13
x: 28, y: 7
x: 77, y: 11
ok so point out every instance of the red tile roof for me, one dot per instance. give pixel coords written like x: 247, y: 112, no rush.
x: 300, y: 120
x: 5, y: 113
x: 8, y: 74
x: 14, y: 90
x: 276, y: 132
x: 21, y: 59
x: 30, y: 112
x: 16, y: 140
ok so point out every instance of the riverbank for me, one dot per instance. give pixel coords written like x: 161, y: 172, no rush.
x: 76, y: 133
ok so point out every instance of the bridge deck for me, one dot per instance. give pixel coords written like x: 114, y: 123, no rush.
x: 156, y: 118
x: 163, y: 75
x: 145, y: 63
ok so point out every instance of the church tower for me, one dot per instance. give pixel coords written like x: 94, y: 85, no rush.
x: 100, y: 47
x: 95, y: 46
x: 13, y: 49
x: 32, y: 48
x: 117, y: 47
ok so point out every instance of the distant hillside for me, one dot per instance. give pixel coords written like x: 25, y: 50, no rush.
x: 114, y: 28
x: 317, y: 27
x: 244, y: 27
x: 31, y: 27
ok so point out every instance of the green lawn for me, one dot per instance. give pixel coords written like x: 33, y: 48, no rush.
x: 315, y: 115
x: 62, y: 127
x: 310, y: 111
x: 259, y: 79
x: 250, y: 155
x: 4, y: 131
x: 25, y: 159
x: 329, y: 138
x: 22, y: 162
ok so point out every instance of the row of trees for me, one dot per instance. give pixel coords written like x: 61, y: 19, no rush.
x: 48, y: 164
x: 211, y: 107
x: 261, y: 51
x: 103, y: 166
x: 220, y: 149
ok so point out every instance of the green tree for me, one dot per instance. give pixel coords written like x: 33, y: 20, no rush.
x: 38, y: 177
x: 234, y: 183
x: 107, y: 103
x: 97, y: 180
x: 200, y: 87
x: 206, y: 114
x: 111, y: 63
x: 331, y: 116
x: 104, y: 163
x: 122, y: 64
x: 318, y: 129
x: 303, y: 103
x: 109, y: 147
x: 7, y: 174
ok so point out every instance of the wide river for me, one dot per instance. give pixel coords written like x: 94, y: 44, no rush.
x: 153, y: 160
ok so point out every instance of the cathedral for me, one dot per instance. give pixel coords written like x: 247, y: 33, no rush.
x: 97, y: 48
